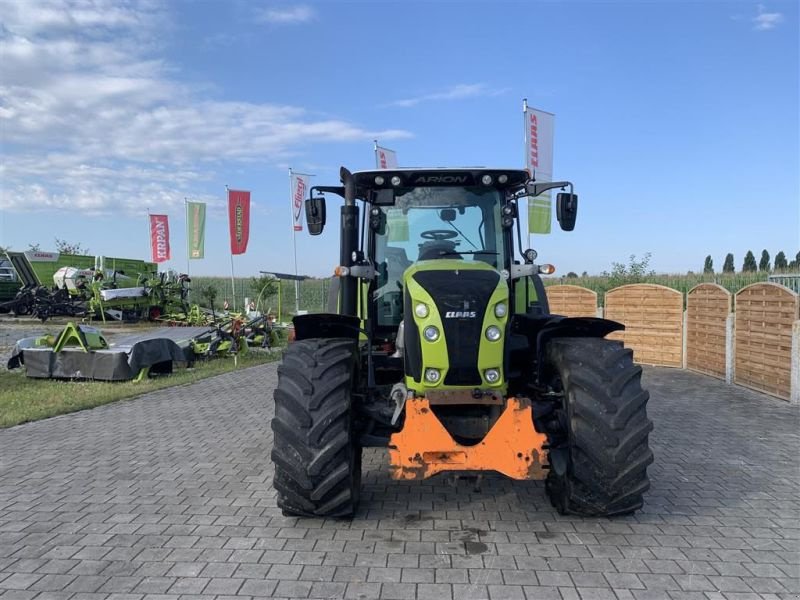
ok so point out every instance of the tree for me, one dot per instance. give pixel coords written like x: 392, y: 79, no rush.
x: 35, y: 247
x: 763, y: 264
x: 780, y: 262
x: 634, y: 272
x: 65, y: 247
x: 727, y: 266
x: 585, y: 274
x: 209, y: 294
x: 795, y: 264
x: 263, y: 286
x: 709, y: 266
x: 572, y: 275
x: 749, y: 265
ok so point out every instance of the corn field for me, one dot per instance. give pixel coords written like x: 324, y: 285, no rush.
x: 313, y: 293
x: 732, y: 282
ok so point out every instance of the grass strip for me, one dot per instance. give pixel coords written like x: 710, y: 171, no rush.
x: 24, y: 399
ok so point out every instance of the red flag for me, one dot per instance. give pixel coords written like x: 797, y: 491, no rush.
x: 239, y: 219
x: 159, y: 238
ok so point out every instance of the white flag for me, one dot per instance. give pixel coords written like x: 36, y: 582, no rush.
x: 539, y: 129
x: 299, y: 188
x: 385, y: 158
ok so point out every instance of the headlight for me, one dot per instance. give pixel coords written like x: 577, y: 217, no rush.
x: 492, y: 375
x: 502, y: 178
x: 379, y: 180
x: 431, y: 333
x: 432, y: 375
x: 421, y: 310
x: 396, y: 181
x: 486, y: 180
x: 500, y: 310
x: 493, y: 333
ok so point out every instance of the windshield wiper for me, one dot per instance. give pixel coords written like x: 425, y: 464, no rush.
x: 462, y: 235
x: 446, y: 252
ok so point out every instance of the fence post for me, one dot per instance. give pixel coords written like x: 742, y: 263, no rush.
x: 685, y: 333
x: 730, y: 361
x: 794, y: 393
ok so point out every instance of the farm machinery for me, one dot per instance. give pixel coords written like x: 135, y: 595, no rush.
x: 55, y: 284
x: 439, y: 345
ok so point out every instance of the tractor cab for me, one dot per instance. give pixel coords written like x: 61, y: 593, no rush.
x: 438, y: 220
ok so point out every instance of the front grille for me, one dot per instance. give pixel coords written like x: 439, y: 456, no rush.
x: 464, y: 291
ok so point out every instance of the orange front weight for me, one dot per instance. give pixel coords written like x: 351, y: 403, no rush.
x: 424, y: 447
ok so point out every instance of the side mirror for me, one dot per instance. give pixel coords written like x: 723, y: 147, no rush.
x: 315, y: 214
x: 566, y: 210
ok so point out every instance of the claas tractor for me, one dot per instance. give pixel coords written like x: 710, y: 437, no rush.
x: 439, y: 345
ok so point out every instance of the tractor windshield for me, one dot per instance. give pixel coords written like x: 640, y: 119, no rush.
x: 430, y: 223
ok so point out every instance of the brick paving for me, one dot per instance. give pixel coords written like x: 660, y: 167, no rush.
x: 169, y: 497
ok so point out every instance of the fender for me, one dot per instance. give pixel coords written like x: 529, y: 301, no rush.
x: 539, y: 330
x: 326, y: 325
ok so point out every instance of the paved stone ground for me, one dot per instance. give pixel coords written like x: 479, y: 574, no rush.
x: 169, y: 497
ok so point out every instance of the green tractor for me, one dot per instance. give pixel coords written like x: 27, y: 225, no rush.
x: 439, y: 344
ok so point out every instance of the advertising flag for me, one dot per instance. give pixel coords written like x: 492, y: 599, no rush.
x: 539, y: 130
x: 159, y: 238
x: 299, y: 188
x: 239, y: 220
x: 385, y: 158
x: 196, y: 228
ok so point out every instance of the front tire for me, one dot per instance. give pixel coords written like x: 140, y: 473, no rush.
x: 599, y: 458
x: 317, y: 460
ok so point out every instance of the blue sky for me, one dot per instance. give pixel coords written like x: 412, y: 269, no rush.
x: 677, y: 121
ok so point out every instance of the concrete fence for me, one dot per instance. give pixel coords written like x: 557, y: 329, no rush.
x: 752, y: 340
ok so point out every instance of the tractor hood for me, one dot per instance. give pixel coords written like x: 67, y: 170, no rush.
x: 454, y: 337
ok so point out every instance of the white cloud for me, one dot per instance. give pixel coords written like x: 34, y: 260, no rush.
x: 93, y: 119
x: 456, y: 92
x: 300, y: 13
x: 764, y: 21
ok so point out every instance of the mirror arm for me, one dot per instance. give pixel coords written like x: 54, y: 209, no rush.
x: 333, y: 189
x: 535, y: 189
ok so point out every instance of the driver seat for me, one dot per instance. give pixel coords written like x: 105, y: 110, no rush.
x: 438, y: 249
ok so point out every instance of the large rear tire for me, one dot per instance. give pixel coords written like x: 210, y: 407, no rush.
x: 599, y: 458
x: 317, y: 459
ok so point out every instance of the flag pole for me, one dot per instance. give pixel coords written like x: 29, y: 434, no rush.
x: 233, y: 281
x: 149, y: 242
x: 525, y: 132
x: 528, y: 199
x: 186, y: 222
x: 375, y: 148
x: 294, y: 244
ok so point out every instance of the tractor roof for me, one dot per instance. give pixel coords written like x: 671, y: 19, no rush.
x: 449, y: 176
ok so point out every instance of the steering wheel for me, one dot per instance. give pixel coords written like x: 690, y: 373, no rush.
x: 438, y: 234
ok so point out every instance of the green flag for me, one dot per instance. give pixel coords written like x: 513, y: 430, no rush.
x: 196, y: 228
x: 397, y: 224
x: 539, y: 213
